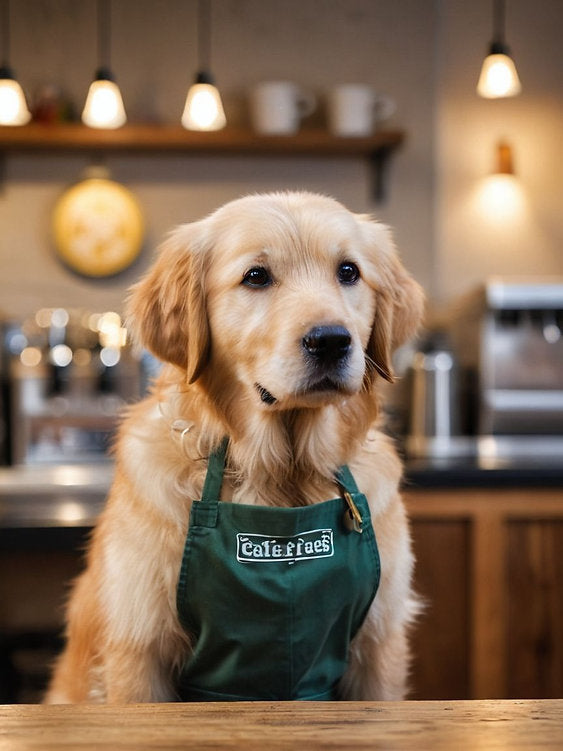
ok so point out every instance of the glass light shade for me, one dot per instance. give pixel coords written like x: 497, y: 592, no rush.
x: 498, y: 77
x: 203, y: 109
x: 13, y: 107
x: 104, y: 105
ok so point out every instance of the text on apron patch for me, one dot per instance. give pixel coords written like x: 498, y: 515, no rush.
x: 315, y: 543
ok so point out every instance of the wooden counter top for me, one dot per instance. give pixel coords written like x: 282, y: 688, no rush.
x: 307, y: 726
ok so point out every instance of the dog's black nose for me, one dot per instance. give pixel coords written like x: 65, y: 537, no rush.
x: 327, y: 344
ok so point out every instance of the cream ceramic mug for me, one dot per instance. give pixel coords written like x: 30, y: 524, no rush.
x: 277, y: 107
x: 354, y: 109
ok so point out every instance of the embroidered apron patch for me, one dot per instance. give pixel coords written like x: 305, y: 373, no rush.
x: 315, y: 543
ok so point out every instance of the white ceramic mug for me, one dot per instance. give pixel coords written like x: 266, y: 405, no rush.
x: 354, y: 109
x: 277, y: 107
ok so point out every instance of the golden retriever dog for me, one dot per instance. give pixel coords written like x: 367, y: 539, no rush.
x: 276, y: 317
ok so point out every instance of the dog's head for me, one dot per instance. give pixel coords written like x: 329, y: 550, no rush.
x: 290, y: 296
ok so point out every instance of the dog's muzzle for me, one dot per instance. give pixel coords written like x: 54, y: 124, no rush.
x: 326, y: 349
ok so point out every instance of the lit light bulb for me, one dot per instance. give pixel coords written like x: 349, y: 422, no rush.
x: 203, y: 109
x: 498, y: 77
x: 500, y: 200
x: 104, y: 105
x: 13, y: 107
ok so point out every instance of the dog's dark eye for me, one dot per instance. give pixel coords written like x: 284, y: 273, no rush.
x: 348, y: 273
x: 258, y: 276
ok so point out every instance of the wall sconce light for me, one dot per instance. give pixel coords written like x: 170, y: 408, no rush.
x: 203, y: 109
x: 13, y: 107
x: 504, y: 164
x: 499, y: 198
x: 104, y: 104
x: 498, y: 75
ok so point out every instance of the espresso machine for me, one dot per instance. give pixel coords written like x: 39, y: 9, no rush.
x: 71, y: 374
x: 509, y: 335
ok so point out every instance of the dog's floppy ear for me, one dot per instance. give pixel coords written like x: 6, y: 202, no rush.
x: 399, y: 298
x: 166, y: 309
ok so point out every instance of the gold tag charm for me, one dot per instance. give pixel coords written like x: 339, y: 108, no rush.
x: 352, y: 517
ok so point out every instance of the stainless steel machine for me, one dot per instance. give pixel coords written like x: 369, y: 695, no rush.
x: 509, y: 336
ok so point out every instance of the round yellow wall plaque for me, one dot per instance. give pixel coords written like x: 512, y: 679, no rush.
x: 98, y: 227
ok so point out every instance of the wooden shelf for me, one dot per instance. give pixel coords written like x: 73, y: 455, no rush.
x: 176, y: 138
x: 173, y: 138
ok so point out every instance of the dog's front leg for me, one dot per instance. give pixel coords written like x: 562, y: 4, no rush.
x: 107, y: 657
x: 135, y: 674
x: 142, y: 638
x: 378, y: 667
x: 123, y: 635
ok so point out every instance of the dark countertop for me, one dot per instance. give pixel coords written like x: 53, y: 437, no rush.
x: 472, y: 472
x: 486, y: 461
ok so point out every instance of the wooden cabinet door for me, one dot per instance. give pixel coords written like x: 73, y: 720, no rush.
x: 490, y: 567
x: 440, y: 639
x: 535, y: 609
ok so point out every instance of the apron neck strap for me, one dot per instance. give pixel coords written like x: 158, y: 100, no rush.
x: 216, y: 467
x: 214, y: 477
x: 346, y: 479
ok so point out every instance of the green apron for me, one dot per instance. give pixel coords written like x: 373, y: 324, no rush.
x: 272, y: 597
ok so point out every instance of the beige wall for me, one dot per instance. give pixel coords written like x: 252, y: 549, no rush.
x: 425, y: 53
x: 483, y: 228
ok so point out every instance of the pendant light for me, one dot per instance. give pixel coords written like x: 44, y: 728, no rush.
x: 13, y: 107
x: 203, y: 109
x: 498, y: 75
x: 104, y: 105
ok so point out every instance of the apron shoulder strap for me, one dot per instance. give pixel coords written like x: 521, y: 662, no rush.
x: 346, y: 479
x: 216, y: 466
x: 214, y: 478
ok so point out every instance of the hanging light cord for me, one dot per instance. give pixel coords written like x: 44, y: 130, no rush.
x: 4, y: 60
x: 498, y: 21
x: 104, y: 33
x: 203, y: 35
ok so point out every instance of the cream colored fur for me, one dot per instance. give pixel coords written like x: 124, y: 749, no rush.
x: 223, y: 340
